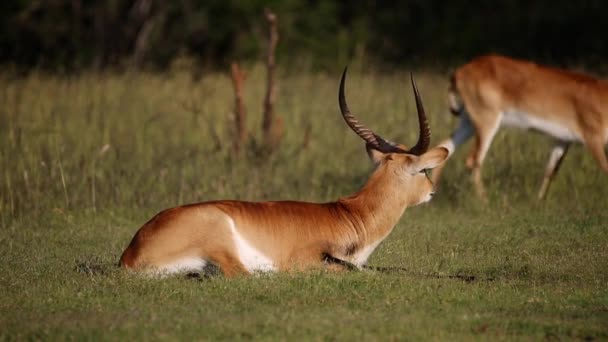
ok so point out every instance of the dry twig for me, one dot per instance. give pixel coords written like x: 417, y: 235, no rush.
x: 240, y: 114
x: 271, y: 134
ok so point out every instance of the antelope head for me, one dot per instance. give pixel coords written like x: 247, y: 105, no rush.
x: 410, y: 165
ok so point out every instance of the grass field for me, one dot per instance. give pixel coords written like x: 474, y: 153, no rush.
x: 85, y: 160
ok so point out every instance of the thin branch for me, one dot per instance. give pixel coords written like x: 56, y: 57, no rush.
x: 141, y: 15
x: 268, y: 119
x: 142, y: 42
x: 240, y: 113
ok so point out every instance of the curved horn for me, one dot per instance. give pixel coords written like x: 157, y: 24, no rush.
x: 424, y: 139
x: 365, y: 133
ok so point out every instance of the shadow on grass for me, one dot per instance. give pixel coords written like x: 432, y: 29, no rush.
x: 468, y: 278
x: 393, y: 269
x: 94, y: 266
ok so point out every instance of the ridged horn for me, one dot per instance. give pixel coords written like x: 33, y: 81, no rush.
x: 424, y: 137
x: 365, y: 133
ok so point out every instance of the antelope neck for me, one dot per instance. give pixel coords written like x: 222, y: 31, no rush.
x: 378, y: 206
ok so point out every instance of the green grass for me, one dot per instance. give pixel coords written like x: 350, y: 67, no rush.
x: 85, y: 160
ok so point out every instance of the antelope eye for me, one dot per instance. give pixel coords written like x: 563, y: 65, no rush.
x: 427, y: 172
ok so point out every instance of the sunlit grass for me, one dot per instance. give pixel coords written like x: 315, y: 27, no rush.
x: 87, y: 159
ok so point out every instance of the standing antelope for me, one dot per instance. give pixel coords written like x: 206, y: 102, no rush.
x: 243, y: 237
x: 494, y: 91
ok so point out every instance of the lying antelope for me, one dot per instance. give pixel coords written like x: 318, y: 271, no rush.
x: 243, y: 237
x: 494, y: 91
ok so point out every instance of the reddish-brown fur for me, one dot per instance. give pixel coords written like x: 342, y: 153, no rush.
x: 241, y: 237
x: 294, y: 235
x: 489, y: 86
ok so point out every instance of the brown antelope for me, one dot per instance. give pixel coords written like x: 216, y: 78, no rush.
x: 244, y: 237
x: 494, y: 91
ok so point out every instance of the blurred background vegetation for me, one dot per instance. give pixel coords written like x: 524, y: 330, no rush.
x: 111, y: 111
x: 71, y: 35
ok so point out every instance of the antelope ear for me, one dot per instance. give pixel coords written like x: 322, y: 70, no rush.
x: 375, y: 155
x: 430, y: 160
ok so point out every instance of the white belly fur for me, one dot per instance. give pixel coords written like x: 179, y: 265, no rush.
x: 527, y: 121
x: 181, y: 265
x: 251, y: 258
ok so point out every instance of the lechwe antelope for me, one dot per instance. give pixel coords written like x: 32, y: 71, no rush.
x: 243, y: 237
x: 494, y: 91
